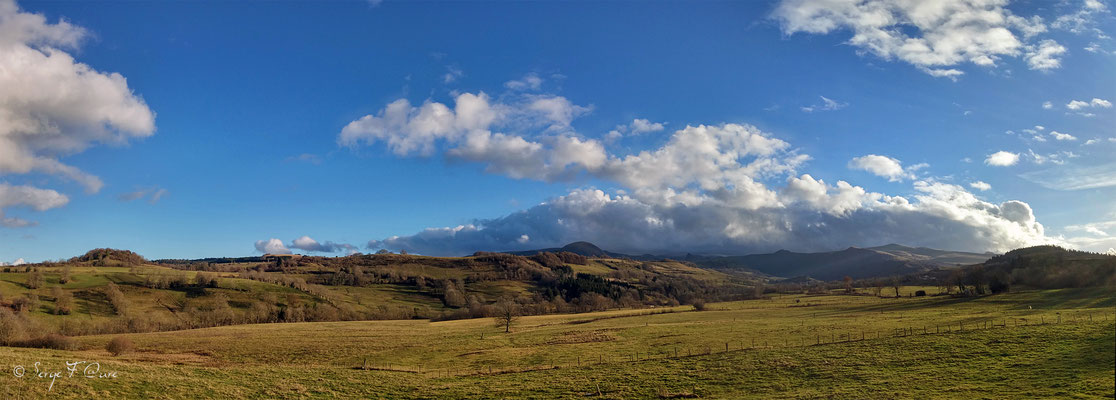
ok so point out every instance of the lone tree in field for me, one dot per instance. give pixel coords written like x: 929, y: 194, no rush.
x: 507, y: 313
x: 63, y: 301
x: 65, y: 277
x: 34, y: 279
x: 897, y: 284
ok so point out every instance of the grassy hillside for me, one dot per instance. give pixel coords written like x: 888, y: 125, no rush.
x: 108, y: 291
x: 1054, y: 343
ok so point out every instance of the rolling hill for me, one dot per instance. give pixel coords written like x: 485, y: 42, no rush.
x: 858, y: 263
x: 109, y: 291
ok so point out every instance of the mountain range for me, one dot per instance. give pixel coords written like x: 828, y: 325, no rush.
x: 887, y: 260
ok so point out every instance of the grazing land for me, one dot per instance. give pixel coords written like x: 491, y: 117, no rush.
x: 1040, y: 343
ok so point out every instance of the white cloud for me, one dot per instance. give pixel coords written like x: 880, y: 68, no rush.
x: 1002, y: 159
x: 30, y: 197
x: 884, y: 166
x: 531, y: 81
x: 706, y: 189
x: 1062, y: 136
x: 452, y: 74
x: 826, y: 105
x: 1076, y: 104
x: 932, y: 36
x: 307, y: 243
x: 1069, y: 177
x: 1046, y: 105
x: 980, y: 185
x: 52, y: 105
x: 1081, y: 106
x: 1084, y: 20
x: 153, y: 195
x: 1045, y: 56
x: 638, y: 126
x: 813, y: 216
x: 272, y: 246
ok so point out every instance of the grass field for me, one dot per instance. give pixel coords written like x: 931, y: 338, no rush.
x: 1056, y: 343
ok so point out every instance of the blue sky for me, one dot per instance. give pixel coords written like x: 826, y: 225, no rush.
x: 184, y: 130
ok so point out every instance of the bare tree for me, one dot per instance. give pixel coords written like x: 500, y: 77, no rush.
x: 66, y: 272
x: 848, y: 284
x: 897, y: 284
x: 34, y: 279
x: 507, y: 313
x: 63, y: 301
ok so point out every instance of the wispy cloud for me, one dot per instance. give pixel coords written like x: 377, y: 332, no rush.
x: 827, y: 104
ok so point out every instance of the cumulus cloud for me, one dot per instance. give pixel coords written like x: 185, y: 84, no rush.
x: 1045, y: 55
x: 52, y: 106
x: 272, y: 246
x: 1081, y: 105
x: 638, y: 126
x: 1062, y: 136
x: 1046, y: 105
x: 1002, y: 159
x: 815, y: 216
x: 885, y: 167
x: 727, y: 188
x: 932, y: 36
x: 30, y: 197
x: 543, y: 149
x: 306, y: 243
x: 827, y: 104
x: 980, y: 185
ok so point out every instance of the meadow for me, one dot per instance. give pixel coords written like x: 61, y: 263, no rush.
x: 1050, y: 343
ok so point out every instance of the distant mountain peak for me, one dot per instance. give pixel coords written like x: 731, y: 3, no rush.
x: 585, y: 248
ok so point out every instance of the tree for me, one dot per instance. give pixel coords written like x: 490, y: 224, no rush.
x: 63, y: 301
x: 12, y: 327
x: 34, y: 279
x: 848, y: 284
x: 897, y: 284
x: 507, y: 313
x: 452, y: 296
x: 65, y: 278
x: 116, y: 298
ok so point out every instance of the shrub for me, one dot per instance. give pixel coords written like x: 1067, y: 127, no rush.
x: 52, y: 341
x: 920, y: 293
x: 12, y: 327
x: 699, y: 305
x: 120, y: 345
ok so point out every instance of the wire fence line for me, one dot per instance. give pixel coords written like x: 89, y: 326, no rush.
x: 752, y: 344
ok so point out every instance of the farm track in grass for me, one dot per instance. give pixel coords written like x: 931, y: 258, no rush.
x: 1054, y: 343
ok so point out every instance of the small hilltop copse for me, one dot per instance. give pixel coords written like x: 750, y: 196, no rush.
x: 276, y: 257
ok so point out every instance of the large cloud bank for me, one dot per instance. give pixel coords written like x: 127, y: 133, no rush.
x: 52, y: 106
x: 727, y: 188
